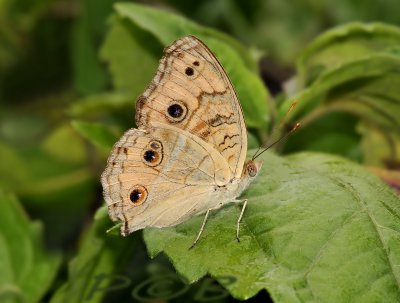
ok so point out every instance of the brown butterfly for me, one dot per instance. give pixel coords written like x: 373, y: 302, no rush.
x: 187, y: 156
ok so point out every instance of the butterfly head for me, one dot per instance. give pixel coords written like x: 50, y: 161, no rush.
x: 250, y: 171
x: 252, y: 168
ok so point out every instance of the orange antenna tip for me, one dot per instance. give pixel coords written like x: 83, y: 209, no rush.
x: 293, y: 105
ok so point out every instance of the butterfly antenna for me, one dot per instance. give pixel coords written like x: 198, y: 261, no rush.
x: 280, y: 125
x: 283, y: 120
x: 294, y: 128
x: 258, y: 149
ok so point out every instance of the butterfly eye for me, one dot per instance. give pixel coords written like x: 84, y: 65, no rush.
x: 176, y: 111
x: 252, y: 169
x: 138, y: 195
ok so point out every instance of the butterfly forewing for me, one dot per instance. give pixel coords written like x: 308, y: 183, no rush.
x: 192, y: 92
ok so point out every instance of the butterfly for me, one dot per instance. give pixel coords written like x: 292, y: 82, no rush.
x: 187, y: 155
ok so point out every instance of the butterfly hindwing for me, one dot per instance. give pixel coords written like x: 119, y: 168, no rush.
x: 151, y: 176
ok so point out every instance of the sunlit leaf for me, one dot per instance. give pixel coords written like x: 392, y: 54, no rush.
x: 317, y: 228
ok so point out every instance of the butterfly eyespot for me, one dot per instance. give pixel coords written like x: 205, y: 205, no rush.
x: 196, y: 63
x: 176, y: 111
x: 155, y: 145
x: 138, y: 195
x: 152, y: 157
x: 189, y: 71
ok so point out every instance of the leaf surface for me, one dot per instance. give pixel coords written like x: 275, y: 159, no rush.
x: 317, y: 228
x: 27, y: 271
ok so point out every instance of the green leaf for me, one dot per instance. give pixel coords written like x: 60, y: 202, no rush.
x: 27, y: 271
x: 344, y: 44
x: 367, y: 88
x: 104, y: 103
x: 353, y: 69
x: 98, y: 258
x: 358, y: 72
x: 375, y: 147
x: 45, y: 179
x: 89, y: 75
x: 131, y: 56
x: 75, y: 154
x: 46, y: 170
x: 97, y: 133
x: 141, y: 32
x: 317, y: 228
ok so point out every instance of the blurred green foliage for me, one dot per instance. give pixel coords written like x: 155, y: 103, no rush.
x: 70, y: 72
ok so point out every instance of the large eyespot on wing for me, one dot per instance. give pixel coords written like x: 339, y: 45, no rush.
x: 192, y: 92
x: 152, y: 172
x: 138, y: 194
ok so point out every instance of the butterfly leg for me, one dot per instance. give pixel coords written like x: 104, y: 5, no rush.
x: 202, y: 226
x: 240, y: 218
